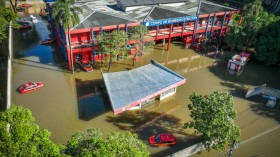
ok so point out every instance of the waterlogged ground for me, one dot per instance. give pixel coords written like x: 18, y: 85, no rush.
x: 74, y: 102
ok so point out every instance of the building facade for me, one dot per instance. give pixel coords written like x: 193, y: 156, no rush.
x: 190, y: 21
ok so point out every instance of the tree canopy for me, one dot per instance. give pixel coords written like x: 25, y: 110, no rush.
x: 114, y: 44
x: 233, y: 36
x: 213, y: 117
x: 23, y: 137
x: 65, y: 13
x: 116, y: 144
x: 254, y: 19
x: 141, y: 35
x: 6, y: 16
x: 268, y: 44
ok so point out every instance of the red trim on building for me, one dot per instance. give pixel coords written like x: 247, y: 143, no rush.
x: 83, y: 36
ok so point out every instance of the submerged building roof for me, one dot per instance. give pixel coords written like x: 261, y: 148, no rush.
x: 129, y: 88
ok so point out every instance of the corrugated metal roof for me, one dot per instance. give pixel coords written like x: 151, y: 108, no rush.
x: 263, y: 90
x: 161, y: 13
x: 101, y: 19
x: 130, y: 86
x: 129, y: 3
x: 207, y: 8
x: 104, y: 12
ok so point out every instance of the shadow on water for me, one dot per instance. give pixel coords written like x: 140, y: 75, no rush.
x: 179, y: 44
x: 237, y: 90
x: 148, y: 123
x: 253, y: 74
x: 92, y: 99
x: 43, y: 66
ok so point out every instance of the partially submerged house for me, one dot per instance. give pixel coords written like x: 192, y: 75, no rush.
x: 134, y: 88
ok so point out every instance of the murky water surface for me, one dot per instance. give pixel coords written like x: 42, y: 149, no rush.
x: 71, y: 102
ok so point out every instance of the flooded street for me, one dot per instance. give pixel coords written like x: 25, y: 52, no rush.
x: 74, y: 102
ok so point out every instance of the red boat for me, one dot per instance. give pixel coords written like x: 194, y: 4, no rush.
x: 24, y: 27
x: 47, y: 41
x: 30, y: 86
x: 25, y: 5
x: 164, y: 139
x: 85, y: 65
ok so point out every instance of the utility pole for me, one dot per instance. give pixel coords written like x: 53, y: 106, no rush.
x: 9, y: 73
x: 9, y: 68
x: 233, y: 146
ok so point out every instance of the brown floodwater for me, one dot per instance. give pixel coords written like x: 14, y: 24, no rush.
x: 74, y: 102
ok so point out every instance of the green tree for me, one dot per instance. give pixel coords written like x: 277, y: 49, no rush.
x: 23, y: 137
x: 65, y: 13
x: 268, y: 44
x: 114, y: 44
x: 251, y: 22
x: 254, y: 7
x: 2, y: 3
x: 6, y: 16
x: 254, y: 19
x: 143, y: 41
x: 213, y: 116
x: 117, y: 144
x: 234, y: 37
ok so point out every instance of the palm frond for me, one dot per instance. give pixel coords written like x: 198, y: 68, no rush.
x: 66, y: 14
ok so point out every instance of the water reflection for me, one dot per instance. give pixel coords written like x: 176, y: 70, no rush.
x: 27, y: 46
x: 92, y: 98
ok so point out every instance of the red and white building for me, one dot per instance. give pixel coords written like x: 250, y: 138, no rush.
x: 190, y: 21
